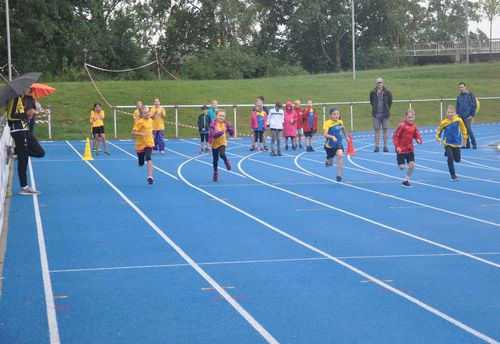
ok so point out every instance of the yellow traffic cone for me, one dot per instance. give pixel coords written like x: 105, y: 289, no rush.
x: 88, y: 153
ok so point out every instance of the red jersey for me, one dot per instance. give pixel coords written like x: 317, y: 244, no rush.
x: 300, y: 118
x: 403, y: 137
x: 310, y: 120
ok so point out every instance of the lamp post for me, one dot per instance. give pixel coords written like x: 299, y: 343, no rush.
x: 466, y: 32
x: 353, y: 43
x: 9, y: 59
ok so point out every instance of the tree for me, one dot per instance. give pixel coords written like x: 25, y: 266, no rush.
x: 490, y: 9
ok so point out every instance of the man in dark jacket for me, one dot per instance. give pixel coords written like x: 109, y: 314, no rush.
x: 381, y: 102
x: 466, y: 109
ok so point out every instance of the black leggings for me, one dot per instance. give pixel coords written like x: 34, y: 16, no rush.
x: 22, y: 155
x: 258, y: 136
x: 216, y: 152
x: 453, y: 154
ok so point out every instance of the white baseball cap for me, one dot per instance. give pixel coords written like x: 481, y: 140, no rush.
x: 379, y: 80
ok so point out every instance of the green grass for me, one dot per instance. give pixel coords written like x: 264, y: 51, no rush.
x: 72, y: 102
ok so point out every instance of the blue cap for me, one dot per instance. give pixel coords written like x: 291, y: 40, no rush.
x: 332, y: 110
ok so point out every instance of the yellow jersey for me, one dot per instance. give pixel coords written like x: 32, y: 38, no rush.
x: 157, y: 114
x: 144, y: 126
x: 221, y: 140
x: 97, y: 118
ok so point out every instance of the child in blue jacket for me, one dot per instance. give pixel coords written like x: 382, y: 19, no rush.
x: 452, y: 133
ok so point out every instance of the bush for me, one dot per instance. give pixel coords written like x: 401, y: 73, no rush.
x: 222, y: 63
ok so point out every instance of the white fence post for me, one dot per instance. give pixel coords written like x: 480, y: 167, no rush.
x: 114, y: 122
x: 176, y: 121
x: 352, y: 117
x: 49, y: 117
x: 235, y: 123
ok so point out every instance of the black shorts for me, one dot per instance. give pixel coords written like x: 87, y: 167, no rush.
x: 203, y: 137
x: 144, y: 155
x: 308, y: 133
x: 98, y: 130
x: 405, y: 157
x: 332, y: 152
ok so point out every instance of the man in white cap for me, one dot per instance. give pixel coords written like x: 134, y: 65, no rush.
x: 381, y: 102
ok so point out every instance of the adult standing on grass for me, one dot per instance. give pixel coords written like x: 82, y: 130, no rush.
x: 466, y: 109
x: 381, y: 102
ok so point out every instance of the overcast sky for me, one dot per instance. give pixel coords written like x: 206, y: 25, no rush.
x: 485, y: 27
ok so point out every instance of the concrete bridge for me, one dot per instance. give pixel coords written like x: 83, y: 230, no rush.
x: 456, y: 48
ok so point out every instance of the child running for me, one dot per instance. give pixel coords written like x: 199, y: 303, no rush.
x: 332, y: 130
x: 454, y: 135
x: 403, y: 143
x: 137, y: 111
x: 218, y: 139
x: 97, y: 122
x: 203, y: 129
x: 144, y: 142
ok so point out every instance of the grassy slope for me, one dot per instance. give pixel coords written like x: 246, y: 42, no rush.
x: 72, y: 102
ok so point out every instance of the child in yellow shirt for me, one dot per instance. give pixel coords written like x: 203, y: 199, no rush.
x: 157, y: 113
x: 218, y: 139
x: 97, y: 122
x: 137, y: 111
x: 144, y: 143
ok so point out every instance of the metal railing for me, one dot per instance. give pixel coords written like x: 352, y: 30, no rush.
x: 455, y: 47
x: 323, y: 106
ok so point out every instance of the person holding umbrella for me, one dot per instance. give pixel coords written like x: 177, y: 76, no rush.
x: 10, y: 95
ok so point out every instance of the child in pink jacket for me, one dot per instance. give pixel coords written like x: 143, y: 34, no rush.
x: 290, y: 128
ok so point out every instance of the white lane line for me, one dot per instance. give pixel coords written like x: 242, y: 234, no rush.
x: 135, y: 157
x: 421, y: 183
x: 203, y: 162
x: 430, y: 169
x: 365, y: 219
x: 400, y: 198
x: 258, y: 327
x: 47, y: 284
x: 267, y: 261
x: 337, y: 260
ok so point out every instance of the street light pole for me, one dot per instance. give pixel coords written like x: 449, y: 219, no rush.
x: 466, y: 31
x: 353, y: 43
x: 9, y: 59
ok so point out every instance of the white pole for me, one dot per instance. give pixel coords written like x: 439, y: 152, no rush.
x: 7, y: 23
x: 176, y: 121
x: 466, y: 32
x: 353, y: 43
x: 235, y: 123
x: 114, y: 122
x: 49, y: 114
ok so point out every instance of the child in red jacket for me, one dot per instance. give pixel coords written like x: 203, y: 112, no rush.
x: 310, y: 124
x: 403, y: 143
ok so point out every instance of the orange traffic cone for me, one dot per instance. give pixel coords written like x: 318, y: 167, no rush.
x: 350, y: 147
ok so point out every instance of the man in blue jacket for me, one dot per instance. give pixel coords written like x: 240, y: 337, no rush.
x: 466, y: 109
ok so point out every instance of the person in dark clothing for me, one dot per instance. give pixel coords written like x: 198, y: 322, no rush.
x: 381, y: 102
x: 29, y: 105
x: 16, y: 119
x: 466, y: 109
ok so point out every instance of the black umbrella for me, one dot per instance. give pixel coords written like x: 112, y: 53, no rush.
x: 17, y: 86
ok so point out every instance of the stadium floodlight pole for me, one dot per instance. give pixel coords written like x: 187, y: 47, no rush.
x: 353, y: 43
x: 7, y: 23
x: 466, y: 31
